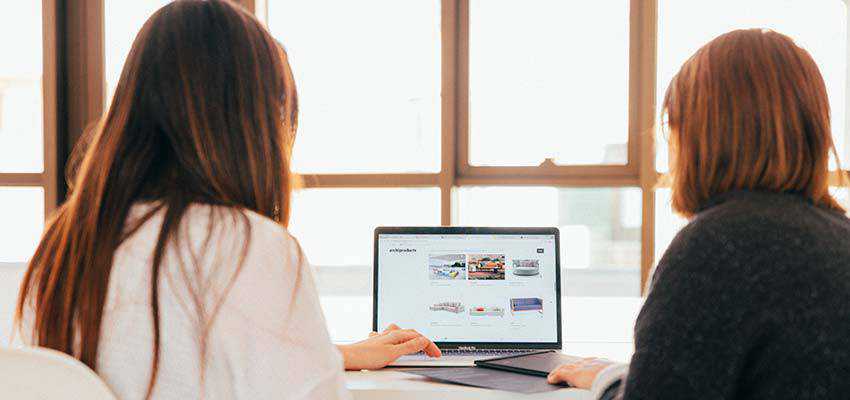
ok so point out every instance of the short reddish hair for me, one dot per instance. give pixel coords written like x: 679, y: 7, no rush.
x: 748, y: 111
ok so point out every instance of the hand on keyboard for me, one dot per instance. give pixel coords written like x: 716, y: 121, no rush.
x: 580, y: 374
x: 383, y: 348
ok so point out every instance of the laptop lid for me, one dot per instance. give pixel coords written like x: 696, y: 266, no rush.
x: 470, y: 288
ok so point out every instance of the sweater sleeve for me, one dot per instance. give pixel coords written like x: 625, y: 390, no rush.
x: 691, y: 336
x: 607, y: 384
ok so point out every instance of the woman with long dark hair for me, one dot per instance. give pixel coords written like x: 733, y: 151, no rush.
x: 752, y: 298
x: 169, y: 270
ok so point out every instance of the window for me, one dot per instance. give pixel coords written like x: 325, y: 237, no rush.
x: 600, y: 230
x: 396, y: 126
x: 335, y: 226
x: 122, y: 20
x: 427, y: 112
x: 518, y: 84
x: 536, y: 83
x: 24, y: 137
x: 20, y: 89
x: 23, y: 217
x: 842, y: 194
x: 369, y: 85
x: 818, y: 26
x: 451, y: 120
x: 667, y: 223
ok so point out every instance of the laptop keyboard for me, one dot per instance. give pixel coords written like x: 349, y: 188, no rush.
x: 484, y: 353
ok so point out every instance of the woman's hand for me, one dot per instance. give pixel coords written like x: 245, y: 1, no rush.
x: 383, y: 348
x: 579, y: 374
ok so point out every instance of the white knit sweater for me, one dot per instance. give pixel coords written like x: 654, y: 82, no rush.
x: 268, y: 339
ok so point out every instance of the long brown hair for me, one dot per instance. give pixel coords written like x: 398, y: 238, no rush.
x: 205, y: 112
x: 749, y: 111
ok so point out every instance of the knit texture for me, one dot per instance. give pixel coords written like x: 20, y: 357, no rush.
x: 750, y: 301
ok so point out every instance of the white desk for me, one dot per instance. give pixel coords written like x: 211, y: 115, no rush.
x: 600, y: 327
x: 392, y: 384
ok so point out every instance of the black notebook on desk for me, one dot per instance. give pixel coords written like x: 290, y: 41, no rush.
x: 538, y: 364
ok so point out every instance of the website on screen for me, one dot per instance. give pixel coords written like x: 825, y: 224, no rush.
x: 469, y: 288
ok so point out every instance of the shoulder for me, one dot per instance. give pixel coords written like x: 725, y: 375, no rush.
x: 753, y: 211
x: 765, y: 218
x: 267, y: 232
x: 716, y: 241
x: 206, y: 221
x: 265, y: 274
x: 232, y: 242
x: 753, y: 232
x: 232, y: 217
x: 236, y: 225
x: 251, y: 254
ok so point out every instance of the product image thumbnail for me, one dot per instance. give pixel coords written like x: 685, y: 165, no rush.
x: 486, y: 266
x: 486, y: 311
x: 454, y: 307
x: 447, y: 267
x: 527, y: 304
x: 526, y: 267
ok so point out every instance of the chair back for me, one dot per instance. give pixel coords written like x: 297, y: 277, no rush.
x: 44, y: 374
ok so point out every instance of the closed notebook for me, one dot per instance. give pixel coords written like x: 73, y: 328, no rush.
x: 539, y: 364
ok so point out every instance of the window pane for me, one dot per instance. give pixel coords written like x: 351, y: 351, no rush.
x: 818, y: 26
x: 20, y: 87
x: 667, y: 223
x: 23, y: 220
x: 368, y: 75
x: 335, y: 226
x: 11, y: 277
x: 122, y: 21
x: 600, y: 230
x: 842, y: 194
x: 548, y: 79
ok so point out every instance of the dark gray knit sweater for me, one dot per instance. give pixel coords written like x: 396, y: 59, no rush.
x: 750, y: 301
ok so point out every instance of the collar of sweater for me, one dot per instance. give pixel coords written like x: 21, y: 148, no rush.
x: 753, y: 195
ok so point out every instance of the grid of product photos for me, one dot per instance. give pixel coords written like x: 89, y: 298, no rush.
x: 484, y: 270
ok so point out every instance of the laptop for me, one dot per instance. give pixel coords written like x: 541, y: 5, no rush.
x: 478, y: 293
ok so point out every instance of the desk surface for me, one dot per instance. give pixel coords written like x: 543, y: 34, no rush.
x: 393, y: 384
x: 600, y: 327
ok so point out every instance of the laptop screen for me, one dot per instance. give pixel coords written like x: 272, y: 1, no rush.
x: 469, y: 288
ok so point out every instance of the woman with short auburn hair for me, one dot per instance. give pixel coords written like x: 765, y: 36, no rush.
x: 748, y: 111
x: 751, y: 300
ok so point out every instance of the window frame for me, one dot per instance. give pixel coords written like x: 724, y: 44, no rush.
x: 47, y: 179
x: 73, y: 51
x: 455, y: 171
